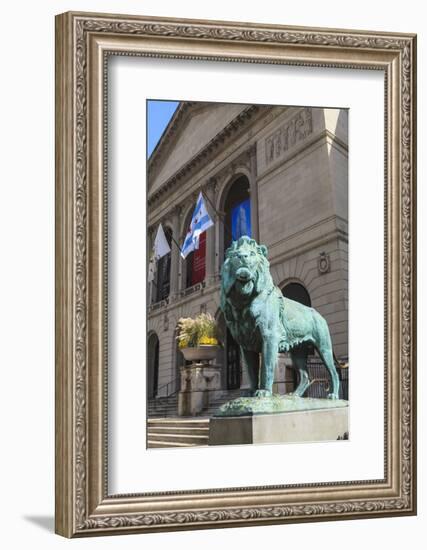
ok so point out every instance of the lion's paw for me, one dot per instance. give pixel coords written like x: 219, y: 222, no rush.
x: 262, y: 393
x: 332, y: 396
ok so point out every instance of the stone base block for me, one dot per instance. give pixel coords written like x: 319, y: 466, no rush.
x: 288, y: 427
x: 191, y: 403
x: 200, y: 383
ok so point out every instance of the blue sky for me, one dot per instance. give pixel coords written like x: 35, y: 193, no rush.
x: 159, y: 114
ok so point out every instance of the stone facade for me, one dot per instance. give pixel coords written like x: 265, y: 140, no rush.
x: 294, y: 162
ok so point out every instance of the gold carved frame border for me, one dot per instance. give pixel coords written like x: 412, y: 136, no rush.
x: 83, y: 43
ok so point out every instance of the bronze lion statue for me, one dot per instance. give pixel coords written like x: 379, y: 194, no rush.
x: 262, y: 321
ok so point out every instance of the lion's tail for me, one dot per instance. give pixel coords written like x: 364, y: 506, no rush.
x: 337, y: 363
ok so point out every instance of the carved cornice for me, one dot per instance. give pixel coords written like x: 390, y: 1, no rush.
x: 213, y: 147
x: 83, y: 25
x: 216, y: 182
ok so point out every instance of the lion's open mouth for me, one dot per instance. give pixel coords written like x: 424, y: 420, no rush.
x: 244, y: 288
x: 244, y: 283
x: 243, y: 275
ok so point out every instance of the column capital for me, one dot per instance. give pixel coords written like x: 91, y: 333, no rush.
x: 211, y: 185
x: 176, y: 211
x: 252, y: 149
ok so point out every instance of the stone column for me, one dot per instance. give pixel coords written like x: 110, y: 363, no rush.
x: 175, y: 253
x: 219, y: 239
x: 210, y: 234
x: 253, y: 190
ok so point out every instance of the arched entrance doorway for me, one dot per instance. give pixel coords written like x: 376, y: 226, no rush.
x: 298, y: 292
x: 287, y: 376
x: 153, y: 365
x: 236, y: 205
x: 230, y: 356
x: 234, y: 369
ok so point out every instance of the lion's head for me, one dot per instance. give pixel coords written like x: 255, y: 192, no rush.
x: 245, y: 272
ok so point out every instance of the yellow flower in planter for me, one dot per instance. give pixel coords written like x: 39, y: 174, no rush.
x: 206, y: 341
x: 197, y: 332
x: 183, y: 343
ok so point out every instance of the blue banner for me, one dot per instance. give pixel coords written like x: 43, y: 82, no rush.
x: 241, y: 220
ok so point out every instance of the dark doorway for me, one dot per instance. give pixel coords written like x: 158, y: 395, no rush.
x: 234, y: 374
x: 153, y: 365
x: 297, y: 292
x: 163, y: 270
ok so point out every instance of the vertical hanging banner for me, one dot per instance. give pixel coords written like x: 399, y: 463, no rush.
x: 241, y: 220
x: 199, y: 261
x: 200, y: 222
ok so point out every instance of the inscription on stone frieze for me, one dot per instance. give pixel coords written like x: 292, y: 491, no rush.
x: 286, y: 137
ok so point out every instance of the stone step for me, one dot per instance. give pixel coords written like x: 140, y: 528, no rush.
x: 168, y: 407
x: 157, y: 416
x: 177, y: 432
x: 180, y: 430
x: 173, y: 438
x: 174, y: 423
x: 167, y: 444
x: 172, y: 410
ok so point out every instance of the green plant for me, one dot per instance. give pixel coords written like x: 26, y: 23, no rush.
x: 201, y: 330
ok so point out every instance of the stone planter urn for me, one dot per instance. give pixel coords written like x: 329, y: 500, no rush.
x: 200, y: 354
x: 200, y: 381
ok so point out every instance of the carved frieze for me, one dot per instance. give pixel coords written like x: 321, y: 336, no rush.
x: 288, y: 135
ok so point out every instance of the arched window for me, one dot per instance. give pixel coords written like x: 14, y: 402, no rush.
x: 164, y: 271
x: 237, y: 208
x: 153, y: 365
x: 297, y: 292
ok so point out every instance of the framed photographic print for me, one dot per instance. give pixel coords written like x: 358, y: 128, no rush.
x: 235, y: 274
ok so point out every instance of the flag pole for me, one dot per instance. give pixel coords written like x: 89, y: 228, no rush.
x: 218, y: 215
x: 172, y: 238
x: 179, y: 248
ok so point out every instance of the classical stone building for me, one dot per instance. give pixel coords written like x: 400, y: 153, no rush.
x: 278, y: 174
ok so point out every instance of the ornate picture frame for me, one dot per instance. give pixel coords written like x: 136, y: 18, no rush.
x: 84, y: 506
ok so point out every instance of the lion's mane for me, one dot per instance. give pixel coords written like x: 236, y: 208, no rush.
x: 292, y: 314
x: 262, y: 277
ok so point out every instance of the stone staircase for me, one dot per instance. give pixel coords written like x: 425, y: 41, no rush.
x: 177, y: 432
x: 163, y: 407
x: 166, y: 429
x: 167, y: 407
x: 227, y: 396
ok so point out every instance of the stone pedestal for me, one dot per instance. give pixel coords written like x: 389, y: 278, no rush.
x: 199, y: 384
x: 285, y: 427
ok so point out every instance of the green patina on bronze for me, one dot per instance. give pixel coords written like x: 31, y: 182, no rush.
x: 248, y: 406
x: 264, y: 323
